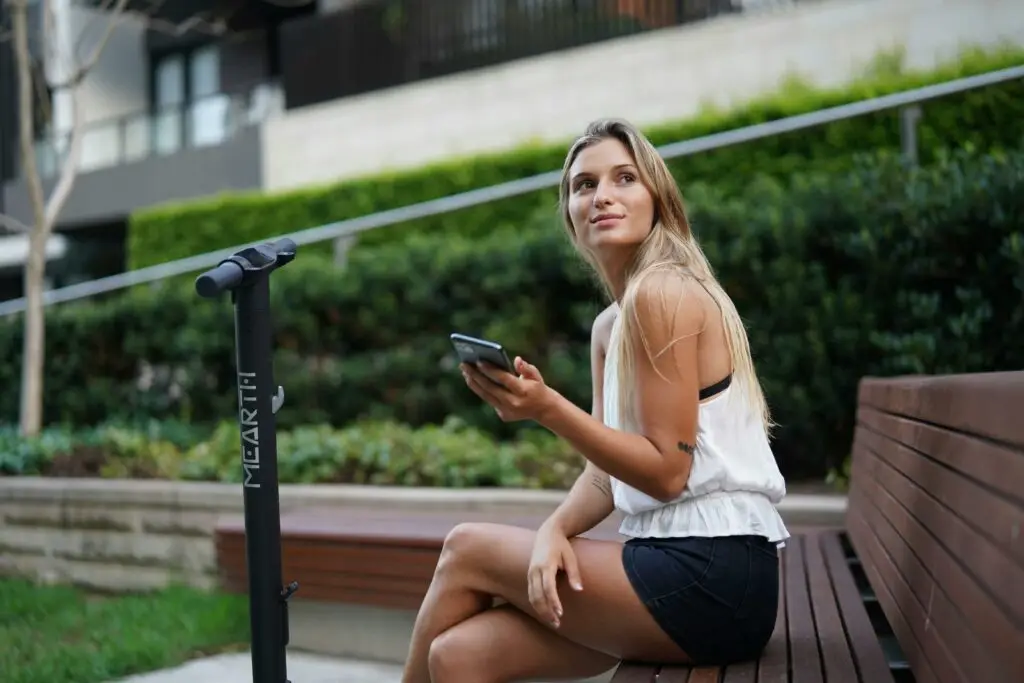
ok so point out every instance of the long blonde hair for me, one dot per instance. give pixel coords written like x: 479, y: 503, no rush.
x: 670, y: 246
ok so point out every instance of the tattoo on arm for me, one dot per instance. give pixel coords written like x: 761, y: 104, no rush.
x: 686, y: 447
x: 602, y: 484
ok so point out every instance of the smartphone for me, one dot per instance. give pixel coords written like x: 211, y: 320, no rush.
x: 473, y: 350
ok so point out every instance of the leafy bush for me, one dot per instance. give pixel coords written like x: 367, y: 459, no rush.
x: 986, y: 118
x: 880, y: 270
x: 379, y: 453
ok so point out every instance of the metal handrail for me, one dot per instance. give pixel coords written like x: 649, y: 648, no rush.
x: 433, y: 207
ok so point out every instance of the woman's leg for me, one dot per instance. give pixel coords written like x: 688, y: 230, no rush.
x: 503, y: 644
x: 482, y: 561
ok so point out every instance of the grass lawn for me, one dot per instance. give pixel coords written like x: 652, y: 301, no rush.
x: 57, y: 634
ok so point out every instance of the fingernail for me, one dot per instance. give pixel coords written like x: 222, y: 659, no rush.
x: 578, y: 586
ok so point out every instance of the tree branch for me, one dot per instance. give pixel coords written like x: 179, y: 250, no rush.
x: 82, y: 69
x: 69, y: 169
x: 19, y: 24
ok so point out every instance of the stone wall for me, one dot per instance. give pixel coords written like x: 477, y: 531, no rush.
x: 117, y: 535
x: 123, y: 535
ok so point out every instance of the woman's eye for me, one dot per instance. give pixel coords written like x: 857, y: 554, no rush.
x: 627, y: 177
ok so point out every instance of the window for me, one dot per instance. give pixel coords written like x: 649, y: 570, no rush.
x: 209, y: 108
x: 168, y: 97
x: 188, y: 107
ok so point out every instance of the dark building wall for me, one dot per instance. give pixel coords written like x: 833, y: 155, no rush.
x: 8, y: 93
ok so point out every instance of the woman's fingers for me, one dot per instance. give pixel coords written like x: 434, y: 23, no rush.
x: 539, y: 598
x: 500, y: 377
x: 536, y: 593
x: 551, y: 594
x: 482, y: 387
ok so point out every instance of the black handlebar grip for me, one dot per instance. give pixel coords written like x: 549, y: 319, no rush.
x: 223, y: 277
x: 285, y: 245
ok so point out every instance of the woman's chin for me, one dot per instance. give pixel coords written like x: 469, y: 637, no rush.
x: 615, y: 240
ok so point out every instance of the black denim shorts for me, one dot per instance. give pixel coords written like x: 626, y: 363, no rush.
x: 717, y: 598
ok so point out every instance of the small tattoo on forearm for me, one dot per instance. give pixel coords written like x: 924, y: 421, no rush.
x: 686, y: 448
x: 602, y: 484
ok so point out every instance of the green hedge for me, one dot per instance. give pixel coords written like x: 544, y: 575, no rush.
x: 986, y: 118
x: 878, y: 270
x: 382, y: 453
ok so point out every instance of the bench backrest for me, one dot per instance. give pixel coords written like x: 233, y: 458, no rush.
x: 936, y: 515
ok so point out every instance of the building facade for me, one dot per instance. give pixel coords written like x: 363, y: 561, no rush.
x: 211, y: 96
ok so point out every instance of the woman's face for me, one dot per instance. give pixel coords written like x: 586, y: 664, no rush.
x: 611, y: 209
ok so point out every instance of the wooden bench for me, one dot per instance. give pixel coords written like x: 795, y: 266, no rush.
x: 936, y: 513
x: 386, y: 559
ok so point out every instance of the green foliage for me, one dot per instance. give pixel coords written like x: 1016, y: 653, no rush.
x: 986, y: 118
x: 376, y: 453
x: 876, y: 271
x: 58, y: 634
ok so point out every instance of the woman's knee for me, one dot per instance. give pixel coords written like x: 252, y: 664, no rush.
x: 462, y: 547
x: 457, y: 656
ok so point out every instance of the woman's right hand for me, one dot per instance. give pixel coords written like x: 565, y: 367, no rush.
x: 552, y: 552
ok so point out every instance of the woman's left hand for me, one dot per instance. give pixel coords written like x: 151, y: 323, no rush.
x: 524, y: 397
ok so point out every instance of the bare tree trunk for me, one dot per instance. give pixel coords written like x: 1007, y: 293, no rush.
x: 35, y: 269
x: 46, y: 211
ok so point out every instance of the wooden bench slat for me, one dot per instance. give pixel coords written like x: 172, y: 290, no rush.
x: 700, y: 674
x: 773, y: 666
x: 741, y: 673
x: 991, y: 515
x: 357, y: 596
x: 803, y: 639
x: 987, y: 569
x: 939, y: 582
x: 983, y: 404
x: 995, y: 466
x: 835, y: 652
x: 635, y: 673
x: 864, y: 644
x: 905, y: 616
x: 355, y: 558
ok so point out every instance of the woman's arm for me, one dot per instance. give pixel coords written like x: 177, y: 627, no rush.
x: 657, y: 460
x: 589, y: 500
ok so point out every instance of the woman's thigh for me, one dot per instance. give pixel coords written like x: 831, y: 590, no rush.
x: 606, y: 615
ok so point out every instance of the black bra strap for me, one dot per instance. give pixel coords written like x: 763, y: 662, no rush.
x: 716, y: 388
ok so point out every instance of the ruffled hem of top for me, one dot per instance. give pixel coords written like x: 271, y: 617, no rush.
x: 715, y: 514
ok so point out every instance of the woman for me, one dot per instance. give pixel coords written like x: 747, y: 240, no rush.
x: 677, y: 441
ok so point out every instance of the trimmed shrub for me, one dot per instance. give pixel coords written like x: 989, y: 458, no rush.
x: 377, y: 453
x: 987, y: 118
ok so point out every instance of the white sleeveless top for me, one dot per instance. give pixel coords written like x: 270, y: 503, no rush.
x: 734, y: 483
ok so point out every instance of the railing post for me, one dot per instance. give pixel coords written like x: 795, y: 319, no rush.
x: 342, y: 245
x: 909, y: 116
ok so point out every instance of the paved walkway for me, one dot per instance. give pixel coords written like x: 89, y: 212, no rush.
x: 302, y: 668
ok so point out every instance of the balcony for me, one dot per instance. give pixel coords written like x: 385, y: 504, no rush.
x: 169, y: 154
x: 206, y: 122
x: 371, y: 45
